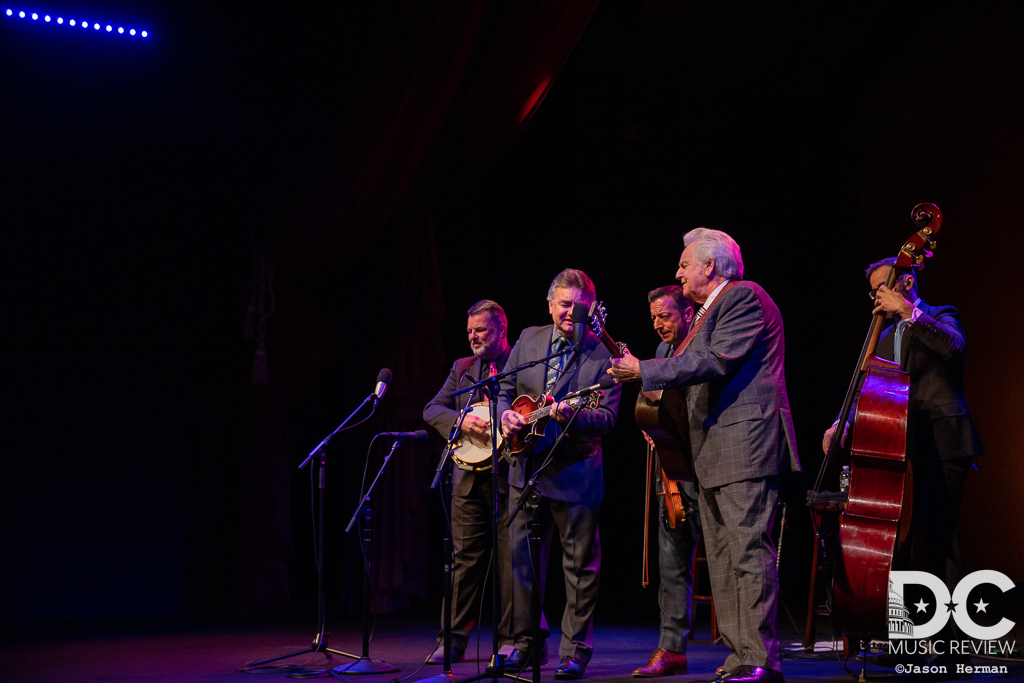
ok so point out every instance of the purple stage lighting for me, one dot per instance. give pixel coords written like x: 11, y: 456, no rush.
x: 47, y: 18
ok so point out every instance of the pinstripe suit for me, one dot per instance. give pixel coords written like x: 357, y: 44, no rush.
x: 741, y: 430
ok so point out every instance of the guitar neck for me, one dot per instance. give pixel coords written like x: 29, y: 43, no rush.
x: 610, y: 344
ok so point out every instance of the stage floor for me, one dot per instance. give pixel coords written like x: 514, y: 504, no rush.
x: 174, y: 653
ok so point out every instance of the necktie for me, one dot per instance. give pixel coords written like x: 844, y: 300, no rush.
x: 555, y: 365
x: 897, y: 340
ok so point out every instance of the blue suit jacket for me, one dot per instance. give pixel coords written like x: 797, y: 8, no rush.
x: 576, y: 474
x: 733, y: 376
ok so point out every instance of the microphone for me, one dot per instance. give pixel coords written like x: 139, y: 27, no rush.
x: 419, y: 435
x: 580, y: 320
x: 383, y: 379
x: 605, y: 383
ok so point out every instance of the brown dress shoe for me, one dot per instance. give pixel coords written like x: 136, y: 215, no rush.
x: 663, y: 663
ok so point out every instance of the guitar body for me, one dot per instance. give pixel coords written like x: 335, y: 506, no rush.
x: 664, y: 417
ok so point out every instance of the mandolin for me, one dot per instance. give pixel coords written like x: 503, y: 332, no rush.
x: 537, y: 411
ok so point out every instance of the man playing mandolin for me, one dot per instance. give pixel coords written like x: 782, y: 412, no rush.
x: 671, y: 314
x: 731, y: 368
x: 571, y: 486
x: 472, y: 498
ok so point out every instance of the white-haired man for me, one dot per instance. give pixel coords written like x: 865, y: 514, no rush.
x: 732, y: 372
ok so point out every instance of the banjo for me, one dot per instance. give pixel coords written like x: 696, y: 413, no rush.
x: 469, y: 453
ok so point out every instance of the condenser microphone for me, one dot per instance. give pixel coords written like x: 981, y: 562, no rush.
x: 419, y: 435
x: 580, y: 320
x: 383, y: 379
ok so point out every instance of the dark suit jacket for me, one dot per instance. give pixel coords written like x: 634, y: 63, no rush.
x: 576, y: 474
x: 443, y: 409
x: 932, y: 352
x: 733, y: 377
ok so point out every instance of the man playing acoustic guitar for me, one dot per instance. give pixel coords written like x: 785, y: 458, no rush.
x: 671, y: 314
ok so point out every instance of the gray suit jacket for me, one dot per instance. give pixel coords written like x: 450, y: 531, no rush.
x: 733, y: 377
x: 576, y: 474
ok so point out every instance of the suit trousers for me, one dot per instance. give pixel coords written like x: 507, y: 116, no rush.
x: 471, y: 541
x: 675, y: 582
x: 737, y: 521
x: 580, y: 542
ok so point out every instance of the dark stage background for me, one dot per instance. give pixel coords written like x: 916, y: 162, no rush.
x: 371, y: 170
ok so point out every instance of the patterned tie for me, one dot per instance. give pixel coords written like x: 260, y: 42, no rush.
x: 555, y: 365
x: 897, y: 340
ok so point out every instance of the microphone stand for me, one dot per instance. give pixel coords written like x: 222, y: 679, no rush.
x: 366, y: 665
x: 320, y: 453
x: 496, y: 665
x: 444, y: 467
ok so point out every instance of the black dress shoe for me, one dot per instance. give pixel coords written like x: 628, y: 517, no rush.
x: 522, y: 659
x: 752, y: 674
x: 437, y: 657
x: 569, y: 669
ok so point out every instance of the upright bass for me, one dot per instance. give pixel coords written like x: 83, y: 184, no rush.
x: 876, y: 515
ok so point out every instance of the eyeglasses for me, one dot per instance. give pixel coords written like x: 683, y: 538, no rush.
x: 873, y: 294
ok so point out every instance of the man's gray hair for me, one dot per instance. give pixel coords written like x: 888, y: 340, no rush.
x: 715, y: 244
x: 488, y: 306
x: 570, y: 277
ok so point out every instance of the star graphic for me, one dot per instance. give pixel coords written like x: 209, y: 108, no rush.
x: 921, y: 605
x: 951, y: 606
x: 980, y: 606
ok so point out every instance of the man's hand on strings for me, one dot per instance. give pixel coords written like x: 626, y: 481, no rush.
x: 512, y: 423
x: 625, y: 369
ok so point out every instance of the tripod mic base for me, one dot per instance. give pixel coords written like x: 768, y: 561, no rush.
x: 365, y: 665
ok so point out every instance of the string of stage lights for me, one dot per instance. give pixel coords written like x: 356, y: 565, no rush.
x: 76, y: 23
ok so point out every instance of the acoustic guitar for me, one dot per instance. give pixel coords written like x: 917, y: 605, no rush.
x: 663, y: 416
